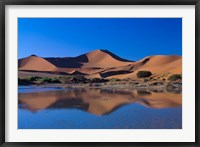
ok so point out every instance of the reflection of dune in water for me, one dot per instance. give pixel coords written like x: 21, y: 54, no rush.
x: 96, y: 101
x: 160, y: 100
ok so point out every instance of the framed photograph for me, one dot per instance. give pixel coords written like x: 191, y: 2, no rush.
x: 104, y: 73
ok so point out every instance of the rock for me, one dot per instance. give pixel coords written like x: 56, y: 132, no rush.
x: 156, y: 84
x: 174, y: 87
x: 145, y: 80
x: 143, y: 92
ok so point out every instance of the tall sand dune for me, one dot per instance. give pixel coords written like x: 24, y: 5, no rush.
x: 101, y: 59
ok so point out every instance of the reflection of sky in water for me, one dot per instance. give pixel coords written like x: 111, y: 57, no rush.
x: 28, y: 89
x: 132, y: 115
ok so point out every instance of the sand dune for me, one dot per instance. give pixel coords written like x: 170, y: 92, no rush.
x: 103, y: 64
x: 102, y: 59
x: 35, y: 63
x: 158, y: 65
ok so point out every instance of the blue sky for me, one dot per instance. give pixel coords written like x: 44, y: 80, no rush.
x: 129, y: 38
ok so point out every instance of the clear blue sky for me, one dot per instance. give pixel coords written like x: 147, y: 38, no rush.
x: 129, y: 38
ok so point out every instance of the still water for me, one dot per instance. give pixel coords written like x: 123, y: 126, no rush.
x: 57, y: 108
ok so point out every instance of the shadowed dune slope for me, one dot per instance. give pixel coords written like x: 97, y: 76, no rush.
x: 64, y: 62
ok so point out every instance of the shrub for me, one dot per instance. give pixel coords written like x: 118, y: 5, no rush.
x: 143, y: 74
x: 49, y: 80
x: 24, y: 82
x: 65, y: 80
x: 55, y: 80
x: 99, y: 80
x: 80, y: 79
x: 34, y: 78
x: 175, y: 77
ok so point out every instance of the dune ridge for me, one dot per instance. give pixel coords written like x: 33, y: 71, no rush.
x: 103, y: 64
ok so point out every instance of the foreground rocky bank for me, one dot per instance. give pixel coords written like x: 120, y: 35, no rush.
x: 175, y: 87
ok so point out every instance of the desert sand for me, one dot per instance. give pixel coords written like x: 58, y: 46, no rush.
x: 102, y: 64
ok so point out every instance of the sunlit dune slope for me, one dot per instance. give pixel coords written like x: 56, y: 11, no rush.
x: 34, y: 63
